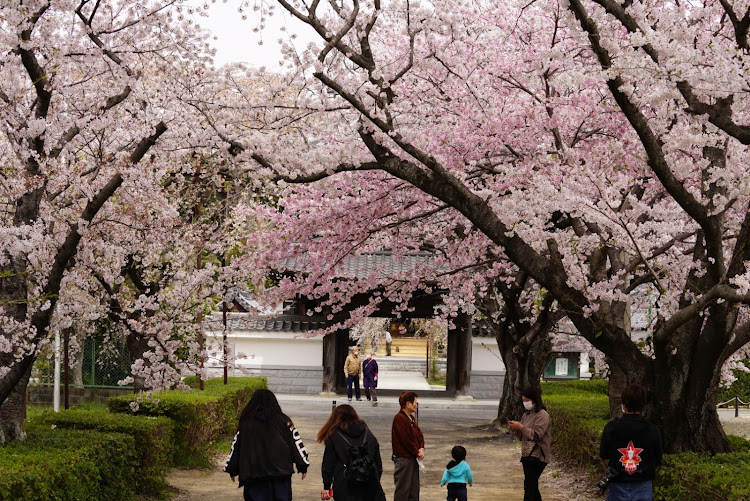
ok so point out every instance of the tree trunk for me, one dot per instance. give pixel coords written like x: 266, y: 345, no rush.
x: 11, y: 412
x: 78, y: 366
x: 687, y: 375
x: 523, y: 367
x: 12, y: 297
x: 137, y: 346
x: 687, y: 416
x: 617, y: 382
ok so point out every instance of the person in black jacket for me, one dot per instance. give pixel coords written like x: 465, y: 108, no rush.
x: 343, y: 430
x: 632, y: 446
x: 265, y: 450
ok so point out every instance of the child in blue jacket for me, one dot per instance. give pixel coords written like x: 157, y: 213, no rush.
x: 457, y: 474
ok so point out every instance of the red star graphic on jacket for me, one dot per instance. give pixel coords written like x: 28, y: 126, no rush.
x: 630, y: 458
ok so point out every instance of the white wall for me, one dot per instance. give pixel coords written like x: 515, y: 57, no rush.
x: 273, y: 349
x: 485, y: 355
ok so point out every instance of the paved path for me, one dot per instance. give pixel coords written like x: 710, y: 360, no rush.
x: 492, y: 455
x: 446, y: 422
x: 402, y: 379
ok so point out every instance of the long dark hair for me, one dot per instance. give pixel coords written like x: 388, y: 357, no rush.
x: 535, y: 395
x: 264, y: 402
x: 341, y: 417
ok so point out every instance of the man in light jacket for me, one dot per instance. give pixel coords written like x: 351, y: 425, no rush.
x: 352, y: 370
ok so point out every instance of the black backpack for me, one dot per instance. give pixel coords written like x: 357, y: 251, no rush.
x: 360, y: 469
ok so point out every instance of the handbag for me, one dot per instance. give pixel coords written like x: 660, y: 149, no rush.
x: 530, y: 451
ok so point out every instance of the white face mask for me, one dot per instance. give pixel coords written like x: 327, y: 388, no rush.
x: 369, y: 357
x: 528, y: 405
x: 355, y: 353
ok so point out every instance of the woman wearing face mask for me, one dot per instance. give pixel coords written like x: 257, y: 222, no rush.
x: 370, y: 378
x: 535, y: 432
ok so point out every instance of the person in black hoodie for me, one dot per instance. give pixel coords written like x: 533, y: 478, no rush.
x: 632, y: 446
x: 265, y: 450
x: 344, y: 430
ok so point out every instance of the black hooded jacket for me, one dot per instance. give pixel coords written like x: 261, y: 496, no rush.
x: 632, y: 440
x: 335, y: 457
x: 264, y: 448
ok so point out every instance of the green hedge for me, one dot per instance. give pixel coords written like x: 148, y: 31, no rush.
x: 154, y: 440
x: 58, y: 464
x: 200, y: 417
x: 701, y: 477
x: 580, y: 409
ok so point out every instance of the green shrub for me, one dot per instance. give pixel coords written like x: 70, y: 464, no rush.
x: 575, y: 386
x: 200, y: 417
x: 703, y: 477
x: 154, y: 440
x: 56, y: 464
x: 578, y: 410
x: 739, y: 444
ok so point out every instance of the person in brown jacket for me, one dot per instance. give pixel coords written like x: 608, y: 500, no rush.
x: 352, y: 369
x: 535, y: 432
x: 408, y: 447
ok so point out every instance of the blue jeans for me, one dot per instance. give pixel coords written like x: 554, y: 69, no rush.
x: 630, y: 491
x: 355, y: 381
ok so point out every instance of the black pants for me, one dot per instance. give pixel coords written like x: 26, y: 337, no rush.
x: 457, y: 492
x: 269, y: 489
x: 352, y: 380
x: 532, y: 470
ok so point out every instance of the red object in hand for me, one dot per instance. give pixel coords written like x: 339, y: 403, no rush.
x: 330, y: 493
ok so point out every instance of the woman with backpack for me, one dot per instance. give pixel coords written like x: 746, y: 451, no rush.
x: 265, y: 450
x: 351, y: 461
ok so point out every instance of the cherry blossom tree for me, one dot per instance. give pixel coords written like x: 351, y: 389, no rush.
x: 95, y: 115
x: 598, y: 146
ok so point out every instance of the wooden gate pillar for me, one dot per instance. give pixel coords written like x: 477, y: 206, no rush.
x: 335, y: 351
x: 458, y: 378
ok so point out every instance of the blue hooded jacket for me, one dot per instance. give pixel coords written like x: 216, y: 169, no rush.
x: 457, y: 473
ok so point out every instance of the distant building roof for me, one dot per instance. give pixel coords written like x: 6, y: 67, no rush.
x: 363, y: 265
x: 245, y: 303
x: 267, y: 323
x: 482, y: 329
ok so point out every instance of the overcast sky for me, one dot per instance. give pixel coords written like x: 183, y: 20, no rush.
x: 236, y: 41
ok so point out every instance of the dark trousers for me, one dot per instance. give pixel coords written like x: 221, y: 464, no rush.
x: 269, y: 489
x: 405, y: 479
x: 457, y: 492
x: 532, y: 470
x: 372, y: 391
x: 349, y: 381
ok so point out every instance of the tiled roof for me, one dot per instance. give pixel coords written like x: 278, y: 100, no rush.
x: 278, y: 323
x: 481, y: 329
x: 364, y: 265
x: 243, y: 299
